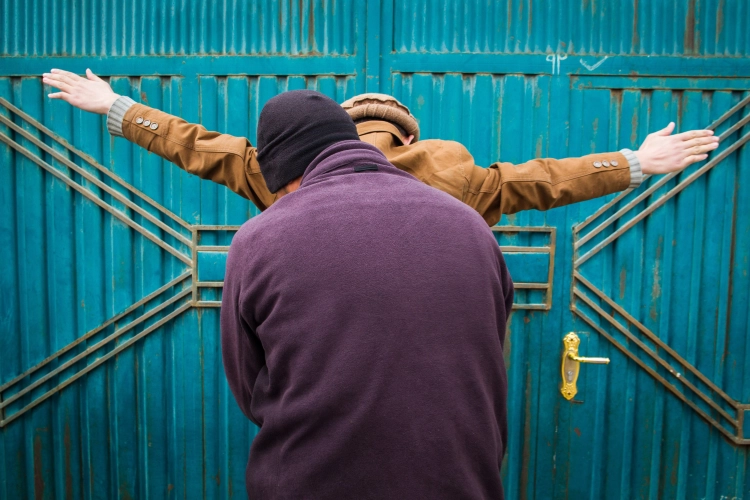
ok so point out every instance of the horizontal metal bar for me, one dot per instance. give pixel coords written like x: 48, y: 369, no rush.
x: 531, y: 307
x: 215, y: 227
x: 658, y: 83
x: 92, y: 161
x: 653, y: 337
x: 569, y: 64
x: 114, y: 335
x: 96, y: 363
x: 209, y: 284
x: 531, y: 286
x: 663, y: 199
x: 89, y: 195
x: 99, y: 328
x: 212, y: 248
x: 671, y: 388
x: 207, y: 303
x: 181, y: 65
x: 86, y: 175
x: 522, y: 229
x: 524, y: 249
x: 577, y: 292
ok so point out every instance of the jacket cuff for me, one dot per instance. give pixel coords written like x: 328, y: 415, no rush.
x: 117, y: 113
x: 636, y: 174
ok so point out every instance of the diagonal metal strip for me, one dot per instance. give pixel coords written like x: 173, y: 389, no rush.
x: 653, y: 355
x: 90, y: 160
x: 663, y: 199
x: 95, y: 347
x: 98, y: 183
x: 88, y: 194
x: 732, y: 437
x: 96, y: 330
x: 654, y: 338
x: 96, y: 363
x: 580, y: 242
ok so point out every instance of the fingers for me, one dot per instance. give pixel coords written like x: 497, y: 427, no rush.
x: 694, y: 134
x: 67, y: 74
x: 666, y: 130
x: 58, y: 84
x: 59, y: 95
x: 91, y: 76
x: 689, y: 160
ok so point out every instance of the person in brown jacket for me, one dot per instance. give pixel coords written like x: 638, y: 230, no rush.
x: 382, y: 121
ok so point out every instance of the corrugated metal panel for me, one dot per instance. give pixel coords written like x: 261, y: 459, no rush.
x: 187, y: 27
x: 683, y: 272
x: 595, y: 27
x: 157, y: 420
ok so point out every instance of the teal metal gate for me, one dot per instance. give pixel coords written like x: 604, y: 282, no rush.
x: 112, y: 260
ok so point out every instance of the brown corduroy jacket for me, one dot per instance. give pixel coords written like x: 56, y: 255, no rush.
x: 503, y: 188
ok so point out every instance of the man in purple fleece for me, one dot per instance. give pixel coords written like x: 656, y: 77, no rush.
x: 362, y: 323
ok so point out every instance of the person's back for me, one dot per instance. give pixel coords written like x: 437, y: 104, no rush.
x: 376, y: 308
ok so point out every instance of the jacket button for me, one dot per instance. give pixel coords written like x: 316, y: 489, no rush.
x: 597, y: 164
x: 614, y: 163
x: 139, y: 120
x: 154, y: 126
x: 605, y: 163
x: 146, y: 123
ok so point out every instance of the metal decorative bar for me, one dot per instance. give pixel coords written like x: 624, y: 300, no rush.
x: 663, y: 199
x: 647, y: 192
x: 671, y: 388
x: 116, y: 334
x: 717, y: 413
x: 653, y: 355
x: 96, y: 330
x: 90, y: 160
x: 653, y: 337
x: 96, y: 363
x: 88, y: 194
x: 98, y: 183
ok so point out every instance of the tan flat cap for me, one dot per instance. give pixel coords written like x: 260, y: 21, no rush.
x: 398, y: 114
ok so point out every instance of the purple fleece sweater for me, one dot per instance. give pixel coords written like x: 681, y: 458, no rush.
x: 362, y: 329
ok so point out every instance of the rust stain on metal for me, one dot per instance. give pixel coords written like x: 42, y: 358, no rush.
x: 526, y: 455
x: 577, y: 431
x: 689, y: 39
x: 38, y: 468
x: 634, y: 127
x: 636, y: 39
x: 68, y: 471
x: 656, y: 288
x: 623, y: 279
x: 144, y: 98
x: 124, y: 492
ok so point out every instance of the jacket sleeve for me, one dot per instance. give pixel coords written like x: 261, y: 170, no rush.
x: 221, y: 158
x: 540, y: 184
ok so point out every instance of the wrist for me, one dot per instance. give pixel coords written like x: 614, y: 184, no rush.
x: 107, y: 104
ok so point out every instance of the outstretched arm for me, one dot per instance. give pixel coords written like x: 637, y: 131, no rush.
x: 542, y: 184
x: 221, y: 158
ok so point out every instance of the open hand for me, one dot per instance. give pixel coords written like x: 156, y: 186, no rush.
x: 89, y: 94
x: 662, y: 153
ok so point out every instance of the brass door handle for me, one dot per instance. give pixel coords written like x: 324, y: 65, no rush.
x: 571, y: 364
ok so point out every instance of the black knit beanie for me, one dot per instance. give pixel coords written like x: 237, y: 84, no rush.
x: 293, y: 129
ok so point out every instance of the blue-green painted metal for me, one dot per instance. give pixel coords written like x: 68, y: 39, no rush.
x: 513, y: 80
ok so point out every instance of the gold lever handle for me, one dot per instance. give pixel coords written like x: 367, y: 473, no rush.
x: 593, y: 361
x: 571, y: 365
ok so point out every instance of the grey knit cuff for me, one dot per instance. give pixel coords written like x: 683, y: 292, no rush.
x: 117, y: 113
x: 636, y: 174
